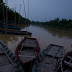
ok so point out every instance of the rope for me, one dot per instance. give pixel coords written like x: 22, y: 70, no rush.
x: 28, y: 14
x: 6, y: 1
x: 25, y: 13
x: 19, y: 13
x: 15, y: 17
x: 61, y: 67
x: 3, y: 16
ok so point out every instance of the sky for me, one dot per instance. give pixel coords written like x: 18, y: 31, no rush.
x: 43, y: 10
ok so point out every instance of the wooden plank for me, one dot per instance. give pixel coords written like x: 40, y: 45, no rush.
x: 7, y: 68
x: 21, y: 48
x: 1, y: 52
x: 8, y: 57
x: 54, y: 50
x: 58, y: 68
x: 44, y: 67
x: 54, y: 55
x: 3, y: 60
x: 29, y: 43
x: 27, y: 52
x: 23, y: 59
x: 69, y: 57
x: 59, y: 54
x: 68, y: 63
x: 47, y: 49
x: 47, y: 59
x: 27, y: 56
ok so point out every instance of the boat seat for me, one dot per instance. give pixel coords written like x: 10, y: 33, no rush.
x: 27, y: 53
x: 27, y: 56
x: 28, y: 44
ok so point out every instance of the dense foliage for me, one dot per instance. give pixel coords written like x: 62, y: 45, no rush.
x: 56, y: 23
x: 12, y: 16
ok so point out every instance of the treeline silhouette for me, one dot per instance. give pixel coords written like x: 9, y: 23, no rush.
x: 11, y: 16
x: 56, y: 23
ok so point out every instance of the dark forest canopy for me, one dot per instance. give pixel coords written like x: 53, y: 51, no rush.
x: 56, y: 23
x: 11, y: 15
x: 1, y: 1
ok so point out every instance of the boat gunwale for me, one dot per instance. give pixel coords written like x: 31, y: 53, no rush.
x: 19, y: 47
x: 15, y: 32
x: 44, y: 52
x: 65, y: 58
x: 12, y: 56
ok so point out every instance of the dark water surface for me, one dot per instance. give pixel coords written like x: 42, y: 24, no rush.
x: 45, y: 36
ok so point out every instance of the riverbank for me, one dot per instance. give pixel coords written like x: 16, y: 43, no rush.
x: 9, y: 16
x: 56, y: 23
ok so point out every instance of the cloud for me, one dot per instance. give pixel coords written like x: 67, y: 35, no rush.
x: 44, y: 9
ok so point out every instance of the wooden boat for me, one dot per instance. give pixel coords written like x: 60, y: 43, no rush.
x: 14, y: 32
x: 8, y: 61
x: 11, y: 27
x: 47, y: 59
x: 27, y: 51
x: 66, y: 63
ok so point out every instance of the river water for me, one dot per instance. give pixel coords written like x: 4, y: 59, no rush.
x: 45, y: 36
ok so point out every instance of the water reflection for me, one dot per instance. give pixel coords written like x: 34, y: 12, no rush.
x: 6, y: 38
x: 47, y: 35
x: 12, y: 40
x: 58, y: 32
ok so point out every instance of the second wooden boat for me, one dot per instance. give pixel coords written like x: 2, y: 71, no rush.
x: 11, y: 27
x: 15, y: 32
x: 27, y: 51
x: 66, y: 63
x: 8, y: 61
x: 47, y: 59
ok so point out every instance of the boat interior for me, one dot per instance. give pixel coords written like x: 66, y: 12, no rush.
x: 27, y: 54
x: 6, y: 64
x: 47, y: 64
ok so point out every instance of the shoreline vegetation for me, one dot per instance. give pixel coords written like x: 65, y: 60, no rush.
x: 56, y: 23
x: 12, y: 16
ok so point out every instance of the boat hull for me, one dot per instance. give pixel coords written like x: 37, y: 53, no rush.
x: 47, y: 59
x: 15, y: 32
x: 8, y: 61
x: 27, y: 65
x: 66, y: 63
